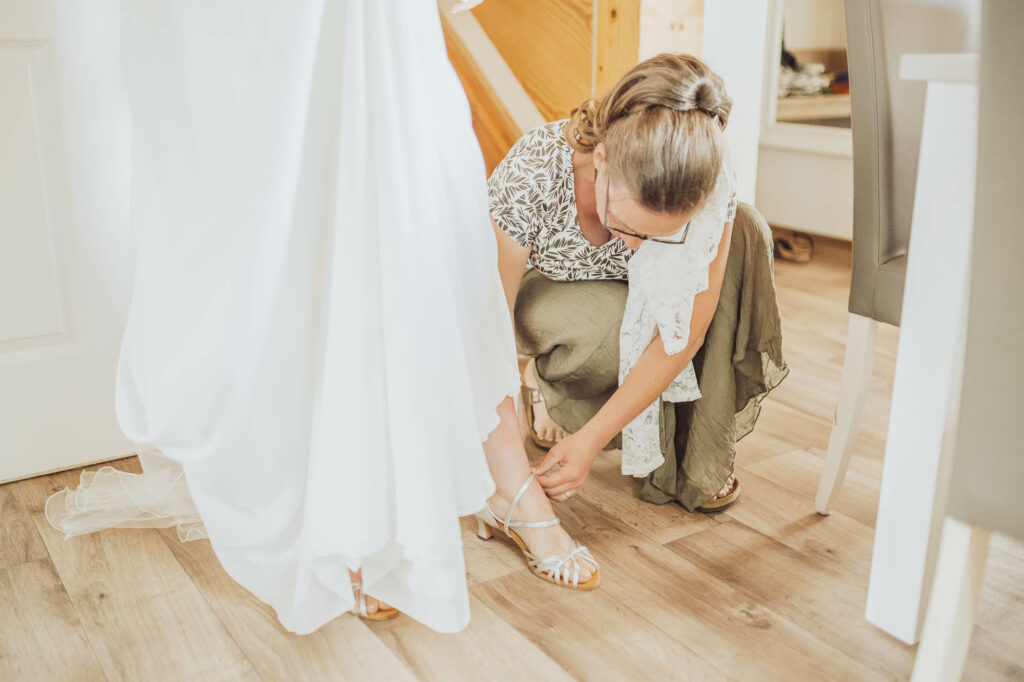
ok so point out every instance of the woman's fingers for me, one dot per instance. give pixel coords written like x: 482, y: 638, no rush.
x: 561, y: 477
x: 558, y: 492
x: 548, y: 463
x: 566, y: 478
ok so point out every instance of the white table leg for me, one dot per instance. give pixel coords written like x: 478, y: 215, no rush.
x: 912, y: 500
x: 958, y: 579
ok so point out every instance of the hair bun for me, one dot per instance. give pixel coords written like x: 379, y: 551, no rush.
x: 707, y: 98
x: 704, y: 97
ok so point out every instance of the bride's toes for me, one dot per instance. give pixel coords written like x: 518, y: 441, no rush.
x: 586, y: 570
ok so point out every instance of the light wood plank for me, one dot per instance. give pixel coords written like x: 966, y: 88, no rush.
x: 671, y: 26
x: 798, y: 471
x: 486, y: 560
x: 616, y: 495
x: 617, y: 41
x: 836, y: 540
x: 588, y: 632
x: 142, y: 614
x: 495, y: 128
x: 490, y: 649
x: 548, y: 44
x: 996, y: 650
x: 816, y: 597
x: 19, y: 539
x: 43, y: 638
x: 700, y: 611
x: 344, y: 649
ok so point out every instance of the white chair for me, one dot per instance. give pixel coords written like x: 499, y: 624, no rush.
x: 988, y: 458
x: 886, y: 115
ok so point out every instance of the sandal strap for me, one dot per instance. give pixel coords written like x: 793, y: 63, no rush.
x: 534, y: 524
x: 509, y: 524
x: 564, y: 568
x: 361, y: 599
x: 515, y: 500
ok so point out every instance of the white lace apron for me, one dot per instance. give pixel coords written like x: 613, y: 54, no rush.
x: 664, y: 280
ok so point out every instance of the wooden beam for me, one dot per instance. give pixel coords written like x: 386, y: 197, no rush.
x: 495, y: 128
x: 616, y: 41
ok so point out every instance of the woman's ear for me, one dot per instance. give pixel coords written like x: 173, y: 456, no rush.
x: 600, y: 157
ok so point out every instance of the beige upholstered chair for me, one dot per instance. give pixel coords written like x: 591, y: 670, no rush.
x: 988, y: 461
x: 886, y: 116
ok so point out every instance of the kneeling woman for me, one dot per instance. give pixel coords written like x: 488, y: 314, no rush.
x: 637, y: 186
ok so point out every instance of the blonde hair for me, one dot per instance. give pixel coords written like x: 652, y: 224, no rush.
x: 662, y: 126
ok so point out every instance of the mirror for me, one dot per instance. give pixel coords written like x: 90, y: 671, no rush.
x: 813, y: 84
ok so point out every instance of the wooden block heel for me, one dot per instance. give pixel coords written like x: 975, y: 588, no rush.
x: 483, y: 530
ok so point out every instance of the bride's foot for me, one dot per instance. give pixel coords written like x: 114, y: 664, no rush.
x: 551, y: 541
x: 520, y: 500
x: 545, y: 431
x: 373, y: 609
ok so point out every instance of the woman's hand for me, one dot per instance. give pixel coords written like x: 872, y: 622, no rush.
x: 574, y: 455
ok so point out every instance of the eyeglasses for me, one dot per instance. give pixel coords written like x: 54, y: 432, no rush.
x: 644, y: 237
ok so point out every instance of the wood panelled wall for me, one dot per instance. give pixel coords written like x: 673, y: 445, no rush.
x: 548, y: 44
x: 494, y: 127
x: 617, y: 42
x: 563, y: 51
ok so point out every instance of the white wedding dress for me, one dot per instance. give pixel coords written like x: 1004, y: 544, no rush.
x: 317, y: 339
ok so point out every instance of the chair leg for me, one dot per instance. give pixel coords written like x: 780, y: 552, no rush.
x: 950, y: 620
x: 860, y: 356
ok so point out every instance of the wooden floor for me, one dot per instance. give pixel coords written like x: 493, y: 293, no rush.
x: 768, y: 590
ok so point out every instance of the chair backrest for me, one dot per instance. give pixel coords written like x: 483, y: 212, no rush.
x: 988, y: 465
x: 886, y: 114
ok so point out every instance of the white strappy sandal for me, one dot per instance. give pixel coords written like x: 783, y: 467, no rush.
x: 360, y: 608
x: 560, y: 569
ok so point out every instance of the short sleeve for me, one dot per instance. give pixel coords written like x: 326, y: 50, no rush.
x: 670, y: 277
x: 516, y: 189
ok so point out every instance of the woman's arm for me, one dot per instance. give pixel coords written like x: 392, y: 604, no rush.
x: 653, y: 373
x: 512, y: 259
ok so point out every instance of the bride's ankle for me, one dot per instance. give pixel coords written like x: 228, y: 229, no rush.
x: 506, y: 490
x: 532, y: 499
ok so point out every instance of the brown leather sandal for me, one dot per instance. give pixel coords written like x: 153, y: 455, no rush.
x: 717, y: 504
x: 533, y: 397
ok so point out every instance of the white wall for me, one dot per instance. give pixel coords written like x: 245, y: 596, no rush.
x: 734, y: 47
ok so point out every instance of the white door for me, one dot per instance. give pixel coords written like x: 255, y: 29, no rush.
x: 64, y: 249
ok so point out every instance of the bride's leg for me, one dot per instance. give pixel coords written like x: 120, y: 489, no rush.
x: 509, y: 467
x: 372, y: 605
